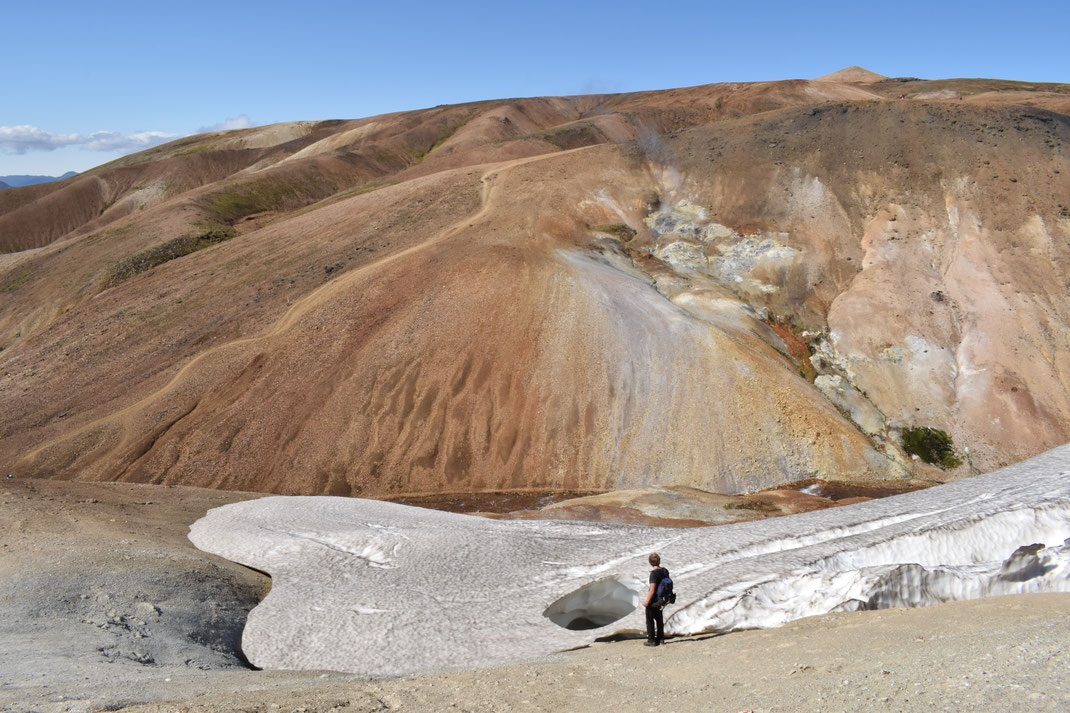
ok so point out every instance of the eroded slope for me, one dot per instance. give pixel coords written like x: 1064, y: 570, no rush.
x: 746, y: 302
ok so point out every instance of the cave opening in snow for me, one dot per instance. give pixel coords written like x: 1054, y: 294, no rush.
x: 596, y: 604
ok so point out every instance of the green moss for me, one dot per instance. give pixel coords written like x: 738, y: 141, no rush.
x: 267, y: 194
x: 20, y: 276
x: 196, y: 149
x: 571, y: 136
x: 172, y: 249
x: 443, y: 135
x: 931, y: 445
x: 448, y: 131
x: 754, y: 505
x: 342, y: 195
x: 386, y: 156
x: 620, y: 231
x: 232, y: 206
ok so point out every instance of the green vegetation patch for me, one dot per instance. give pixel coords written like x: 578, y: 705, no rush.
x: 620, y: 231
x: 262, y: 196
x: 342, y: 195
x: 230, y: 207
x: 165, y: 252
x: 931, y: 445
x: 572, y: 136
x: 440, y: 138
x: 18, y: 277
x: 200, y: 148
x: 756, y: 505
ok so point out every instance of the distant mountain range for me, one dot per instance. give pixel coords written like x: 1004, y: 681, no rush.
x: 17, y: 181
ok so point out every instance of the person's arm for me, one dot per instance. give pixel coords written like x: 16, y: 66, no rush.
x: 650, y: 594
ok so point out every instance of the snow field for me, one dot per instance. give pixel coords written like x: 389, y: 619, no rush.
x: 384, y: 589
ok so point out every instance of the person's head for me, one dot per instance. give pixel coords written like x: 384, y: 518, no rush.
x: 655, y: 559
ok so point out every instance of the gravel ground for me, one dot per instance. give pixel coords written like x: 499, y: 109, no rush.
x: 1007, y: 654
x: 106, y: 606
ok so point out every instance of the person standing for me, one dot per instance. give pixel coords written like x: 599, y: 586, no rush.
x: 655, y: 623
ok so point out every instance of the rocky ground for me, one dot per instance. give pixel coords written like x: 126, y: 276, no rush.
x: 102, y: 592
x: 994, y: 655
x: 679, y: 506
x: 107, y: 606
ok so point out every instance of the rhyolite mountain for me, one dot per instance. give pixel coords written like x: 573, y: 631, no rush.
x: 17, y: 181
x: 727, y: 286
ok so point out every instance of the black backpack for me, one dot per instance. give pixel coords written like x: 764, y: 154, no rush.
x: 664, y: 593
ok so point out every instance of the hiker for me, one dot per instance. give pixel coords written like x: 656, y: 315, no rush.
x: 653, y: 605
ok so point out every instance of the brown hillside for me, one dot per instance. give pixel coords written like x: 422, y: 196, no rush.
x: 727, y: 287
x: 853, y: 74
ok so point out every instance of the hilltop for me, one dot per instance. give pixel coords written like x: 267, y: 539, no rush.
x: 852, y: 74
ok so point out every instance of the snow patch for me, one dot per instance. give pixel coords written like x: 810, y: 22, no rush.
x: 489, y: 592
x: 597, y: 604
x: 1031, y: 568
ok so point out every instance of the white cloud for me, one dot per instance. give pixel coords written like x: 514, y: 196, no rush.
x: 241, y: 121
x: 20, y: 139
x: 24, y: 138
x: 112, y: 141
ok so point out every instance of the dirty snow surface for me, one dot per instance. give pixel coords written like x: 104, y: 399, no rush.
x: 378, y: 588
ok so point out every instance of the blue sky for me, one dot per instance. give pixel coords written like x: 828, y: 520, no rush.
x: 83, y: 83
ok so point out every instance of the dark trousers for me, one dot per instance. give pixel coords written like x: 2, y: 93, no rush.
x: 653, y: 616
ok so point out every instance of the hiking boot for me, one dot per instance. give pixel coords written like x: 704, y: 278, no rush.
x: 650, y: 642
